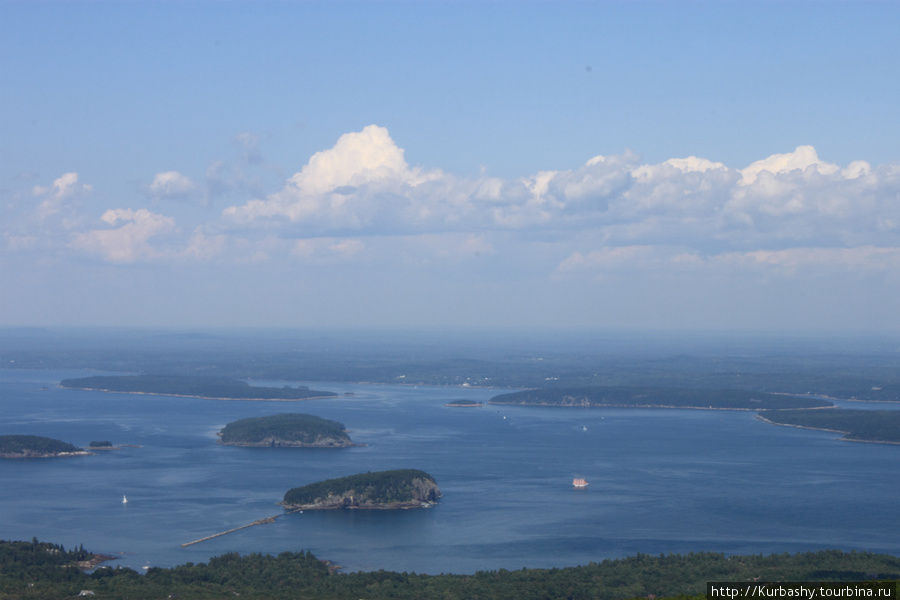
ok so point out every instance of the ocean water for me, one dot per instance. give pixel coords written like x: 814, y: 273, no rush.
x: 660, y: 480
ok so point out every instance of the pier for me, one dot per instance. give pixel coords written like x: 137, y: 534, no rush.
x: 215, y: 535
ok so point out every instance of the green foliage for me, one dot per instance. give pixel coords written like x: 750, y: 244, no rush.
x: 24, y: 444
x: 862, y: 425
x: 620, y: 396
x: 292, y: 427
x: 103, y: 444
x: 381, y: 487
x: 201, y: 387
x: 37, y: 570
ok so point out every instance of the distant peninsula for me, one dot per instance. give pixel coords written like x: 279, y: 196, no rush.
x: 881, y: 426
x: 215, y: 388
x: 401, y: 488
x: 35, y: 446
x: 656, y: 397
x: 292, y: 430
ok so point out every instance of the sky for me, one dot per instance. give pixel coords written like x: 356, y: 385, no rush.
x: 684, y: 166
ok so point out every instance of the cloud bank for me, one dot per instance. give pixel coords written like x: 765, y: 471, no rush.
x: 615, y: 209
x: 360, y: 202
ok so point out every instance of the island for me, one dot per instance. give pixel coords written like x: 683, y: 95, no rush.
x: 464, y: 403
x: 215, y: 388
x: 35, y: 446
x: 656, y: 397
x: 401, y: 488
x: 292, y: 430
x: 857, y: 425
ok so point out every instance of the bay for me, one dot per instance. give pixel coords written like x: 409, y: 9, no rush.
x: 661, y: 480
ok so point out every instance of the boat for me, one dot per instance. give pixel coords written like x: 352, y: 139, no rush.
x: 124, y: 500
x: 579, y: 483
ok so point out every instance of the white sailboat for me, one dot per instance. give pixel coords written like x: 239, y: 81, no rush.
x: 124, y: 499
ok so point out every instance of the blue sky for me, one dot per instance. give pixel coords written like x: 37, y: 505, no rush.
x: 679, y: 165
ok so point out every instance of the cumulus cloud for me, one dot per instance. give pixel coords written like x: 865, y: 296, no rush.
x: 804, y: 159
x: 790, y: 212
x: 171, y: 185
x: 63, y: 190
x: 364, y: 184
x: 363, y: 180
x: 787, y: 211
x: 128, y: 238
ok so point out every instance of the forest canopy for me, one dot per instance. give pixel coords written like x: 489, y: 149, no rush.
x: 857, y: 425
x: 292, y: 429
x: 383, y: 489
x: 37, y: 570
x: 13, y: 446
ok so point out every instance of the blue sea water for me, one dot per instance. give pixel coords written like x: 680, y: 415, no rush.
x: 660, y: 480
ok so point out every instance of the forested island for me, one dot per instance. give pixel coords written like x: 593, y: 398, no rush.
x: 401, y: 488
x: 657, y: 397
x: 464, y: 403
x: 293, y: 430
x: 856, y: 425
x: 35, y: 446
x: 216, y: 388
x: 38, y: 570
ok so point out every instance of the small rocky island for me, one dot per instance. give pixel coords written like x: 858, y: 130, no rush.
x: 401, y: 488
x: 464, y: 403
x: 35, y: 446
x: 291, y: 430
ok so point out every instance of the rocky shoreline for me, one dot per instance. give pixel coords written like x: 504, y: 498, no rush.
x: 275, y: 442
x: 33, y: 454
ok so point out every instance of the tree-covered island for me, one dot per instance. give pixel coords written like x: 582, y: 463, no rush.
x: 857, y: 425
x: 401, y: 488
x: 292, y: 430
x: 657, y: 397
x: 35, y: 446
x: 464, y: 403
x: 216, y: 388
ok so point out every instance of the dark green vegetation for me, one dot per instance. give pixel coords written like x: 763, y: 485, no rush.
x: 401, y: 488
x: 37, y: 570
x: 295, y: 429
x: 464, y: 403
x: 858, y: 425
x: 656, y: 397
x: 102, y: 444
x: 200, y: 387
x: 29, y: 446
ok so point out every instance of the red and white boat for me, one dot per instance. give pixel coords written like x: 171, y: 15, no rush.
x: 578, y: 482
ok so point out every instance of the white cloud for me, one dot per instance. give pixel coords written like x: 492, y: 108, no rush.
x: 611, y: 212
x: 804, y: 158
x: 128, y: 242
x: 171, y: 185
x: 64, y: 189
x: 363, y: 180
